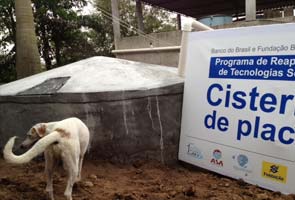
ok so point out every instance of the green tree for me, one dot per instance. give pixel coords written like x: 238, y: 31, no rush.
x: 58, y: 26
x: 27, y: 55
x: 99, y: 34
x: 155, y: 20
x: 7, y: 41
x: 61, y: 39
x: 67, y: 36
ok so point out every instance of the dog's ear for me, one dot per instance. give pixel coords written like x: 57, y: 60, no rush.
x: 41, y: 130
x: 33, y: 131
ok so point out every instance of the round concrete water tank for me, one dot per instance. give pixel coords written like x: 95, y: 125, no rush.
x: 132, y: 109
x: 215, y: 20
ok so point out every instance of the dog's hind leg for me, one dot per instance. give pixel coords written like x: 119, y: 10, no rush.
x: 49, y: 167
x: 71, y: 166
x: 81, y: 158
x: 84, y: 142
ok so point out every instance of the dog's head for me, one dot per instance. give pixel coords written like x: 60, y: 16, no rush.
x: 34, y: 134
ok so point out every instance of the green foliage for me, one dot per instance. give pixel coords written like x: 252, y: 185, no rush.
x: 99, y: 34
x: 7, y: 40
x: 7, y: 68
x: 155, y: 20
x: 59, y: 28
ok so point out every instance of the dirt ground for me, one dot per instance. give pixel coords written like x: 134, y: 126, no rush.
x: 142, y: 180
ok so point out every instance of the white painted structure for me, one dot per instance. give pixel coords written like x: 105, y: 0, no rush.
x: 239, y: 104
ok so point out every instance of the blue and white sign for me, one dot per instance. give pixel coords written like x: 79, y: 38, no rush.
x: 239, y: 99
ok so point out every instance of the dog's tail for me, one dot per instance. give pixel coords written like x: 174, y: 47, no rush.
x: 37, y: 149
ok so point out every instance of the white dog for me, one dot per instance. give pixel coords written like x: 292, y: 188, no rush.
x: 67, y: 139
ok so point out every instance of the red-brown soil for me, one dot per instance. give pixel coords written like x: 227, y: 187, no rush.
x: 140, y: 181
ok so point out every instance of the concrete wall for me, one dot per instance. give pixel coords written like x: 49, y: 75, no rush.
x: 167, y: 58
x: 124, y: 125
x: 170, y: 58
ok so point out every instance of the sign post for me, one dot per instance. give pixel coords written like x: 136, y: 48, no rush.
x: 239, y: 104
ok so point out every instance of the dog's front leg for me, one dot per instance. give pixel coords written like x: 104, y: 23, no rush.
x: 49, y: 167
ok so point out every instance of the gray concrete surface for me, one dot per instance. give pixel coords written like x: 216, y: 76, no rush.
x: 166, y: 58
x: 124, y: 126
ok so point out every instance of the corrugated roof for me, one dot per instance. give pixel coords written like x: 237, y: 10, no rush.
x: 198, y: 8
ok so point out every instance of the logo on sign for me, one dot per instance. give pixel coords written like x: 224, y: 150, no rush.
x: 243, y: 160
x: 194, y: 151
x: 241, y: 163
x: 216, y: 160
x: 274, y: 171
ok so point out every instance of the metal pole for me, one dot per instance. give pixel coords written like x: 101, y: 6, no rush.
x: 116, y: 22
x: 250, y: 10
x: 179, y: 21
x: 139, y: 15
